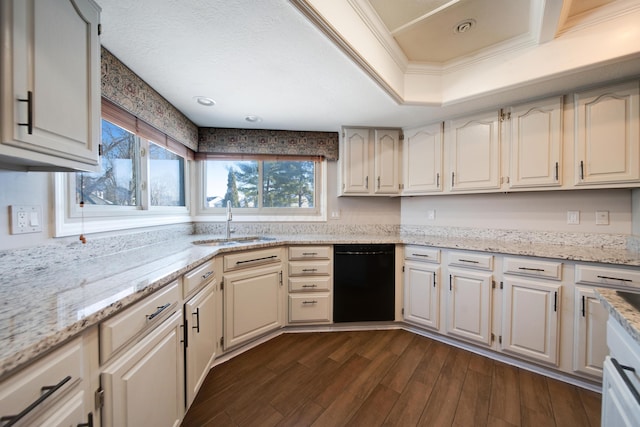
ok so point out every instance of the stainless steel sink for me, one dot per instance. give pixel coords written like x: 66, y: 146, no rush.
x: 234, y: 241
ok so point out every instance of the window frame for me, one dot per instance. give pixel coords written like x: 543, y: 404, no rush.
x: 318, y: 213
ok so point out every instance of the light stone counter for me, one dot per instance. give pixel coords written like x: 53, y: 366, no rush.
x: 50, y: 294
x: 620, y: 309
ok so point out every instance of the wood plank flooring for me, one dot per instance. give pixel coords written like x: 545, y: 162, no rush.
x: 381, y: 378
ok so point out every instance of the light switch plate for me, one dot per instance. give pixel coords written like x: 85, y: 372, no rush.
x: 573, y: 217
x: 602, y: 217
x: 26, y: 219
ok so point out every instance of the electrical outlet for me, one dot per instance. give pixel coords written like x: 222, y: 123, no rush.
x: 573, y: 217
x: 26, y: 219
x: 335, y: 214
x: 431, y: 214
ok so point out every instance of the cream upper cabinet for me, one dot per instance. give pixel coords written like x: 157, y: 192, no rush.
x: 370, y: 162
x: 607, y: 139
x: 535, y: 141
x: 473, y: 150
x: 50, y: 86
x: 422, y: 160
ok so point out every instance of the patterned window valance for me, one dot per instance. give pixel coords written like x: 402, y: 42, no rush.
x: 224, y: 141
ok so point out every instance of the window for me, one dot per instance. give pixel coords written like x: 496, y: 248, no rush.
x: 263, y: 187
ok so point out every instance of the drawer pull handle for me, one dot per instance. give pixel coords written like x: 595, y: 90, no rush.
x: 206, y: 275
x: 310, y: 286
x: 310, y: 253
x: 309, y: 302
x: 621, y: 371
x: 614, y: 278
x: 531, y: 269
x: 555, y: 301
x: 49, y: 390
x: 309, y: 270
x: 29, y: 102
x: 197, y: 314
x: 257, y: 259
x: 89, y: 422
x: 422, y: 255
x: 158, y: 311
x: 469, y: 261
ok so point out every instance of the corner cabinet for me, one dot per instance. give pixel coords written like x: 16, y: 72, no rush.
x: 50, y: 85
x: 473, y: 149
x: 370, y: 162
x: 422, y: 160
x: 607, y: 135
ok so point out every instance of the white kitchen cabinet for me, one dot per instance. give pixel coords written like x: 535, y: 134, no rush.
x: 469, y: 305
x: 145, y: 385
x: 370, y: 162
x: 200, y: 320
x: 607, y: 135
x: 422, y: 160
x: 58, y: 385
x: 422, y: 294
x: 530, y: 319
x: 535, y: 141
x: 590, y: 333
x: 252, y: 295
x: 50, y: 86
x: 310, y: 285
x: 473, y: 150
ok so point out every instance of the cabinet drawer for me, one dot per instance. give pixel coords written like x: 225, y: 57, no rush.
x: 309, y: 284
x: 310, y: 252
x: 117, y: 331
x: 615, y: 277
x: 421, y: 253
x: 309, y: 308
x: 249, y: 259
x: 63, y: 367
x: 197, y: 277
x: 309, y: 268
x: 471, y: 260
x: 533, y: 268
x: 624, y: 349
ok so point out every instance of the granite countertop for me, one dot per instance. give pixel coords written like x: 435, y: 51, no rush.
x: 47, y: 299
x: 620, y: 308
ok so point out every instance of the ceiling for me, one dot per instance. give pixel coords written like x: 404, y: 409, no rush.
x: 267, y: 59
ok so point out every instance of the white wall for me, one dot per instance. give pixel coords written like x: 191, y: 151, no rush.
x: 635, y: 211
x: 525, y: 211
x: 25, y: 188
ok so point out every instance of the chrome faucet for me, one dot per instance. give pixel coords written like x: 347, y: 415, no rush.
x: 229, y: 218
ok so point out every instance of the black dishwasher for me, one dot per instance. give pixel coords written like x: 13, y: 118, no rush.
x: 363, y: 282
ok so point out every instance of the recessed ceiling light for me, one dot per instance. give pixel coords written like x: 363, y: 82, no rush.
x: 206, y: 101
x: 253, y: 119
x: 464, y: 26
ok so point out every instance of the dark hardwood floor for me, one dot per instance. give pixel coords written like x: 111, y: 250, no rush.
x: 381, y: 378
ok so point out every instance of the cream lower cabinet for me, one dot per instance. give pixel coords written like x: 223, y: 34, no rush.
x: 144, y: 386
x: 422, y: 286
x: 590, y: 333
x: 530, y: 319
x: 200, y: 343
x: 252, y: 295
x: 310, y: 284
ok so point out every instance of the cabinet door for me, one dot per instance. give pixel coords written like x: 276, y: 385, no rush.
x: 530, y: 325
x: 422, y: 165
x: 422, y: 294
x: 607, y: 139
x: 474, y: 153
x: 536, y: 144
x: 590, y: 333
x: 386, y: 163
x: 54, y: 60
x: 145, y: 385
x: 199, y: 313
x: 469, y: 305
x: 252, y: 304
x: 355, y: 162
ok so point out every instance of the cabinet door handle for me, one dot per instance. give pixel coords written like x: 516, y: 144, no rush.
x: 29, y: 102
x: 366, y: 182
x: 48, y: 391
x: 309, y: 286
x: 206, y: 275
x: 422, y: 255
x: 310, y: 253
x: 89, y: 422
x: 468, y: 261
x: 434, y: 280
x: 621, y: 371
x: 555, y: 301
x: 197, y: 314
x: 438, y: 180
x: 453, y: 178
x: 257, y: 259
x: 581, y: 169
x: 583, y: 306
x: 614, y: 278
x: 450, y: 280
x: 378, y: 182
x: 158, y: 311
x: 531, y: 269
x: 557, y: 175
x: 309, y: 302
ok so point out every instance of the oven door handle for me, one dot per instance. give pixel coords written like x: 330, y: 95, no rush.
x: 621, y: 371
